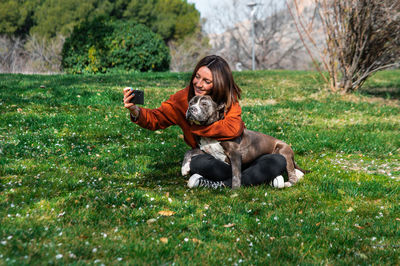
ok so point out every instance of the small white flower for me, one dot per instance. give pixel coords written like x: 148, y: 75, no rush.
x: 186, y: 239
x: 59, y: 256
x: 94, y: 250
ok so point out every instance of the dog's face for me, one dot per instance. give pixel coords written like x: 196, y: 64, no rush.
x: 203, y: 110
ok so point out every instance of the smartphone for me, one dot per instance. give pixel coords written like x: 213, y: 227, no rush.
x: 139, y: 97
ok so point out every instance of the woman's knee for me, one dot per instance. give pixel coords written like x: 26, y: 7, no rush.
x: 210, y: 167
x: 199, y: 162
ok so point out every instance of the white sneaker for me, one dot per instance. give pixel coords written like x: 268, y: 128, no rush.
x: 278, y: 182
x: 194, y: 181
x: 197, y: 180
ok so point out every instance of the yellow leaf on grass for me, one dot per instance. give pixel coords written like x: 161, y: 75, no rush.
x: 164, y: 240
x: 229, y: 225
x: 166, y: 213
x: 150, y: 221
x: 195, y: 240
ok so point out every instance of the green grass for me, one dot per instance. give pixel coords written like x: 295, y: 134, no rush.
x: 81, y: 184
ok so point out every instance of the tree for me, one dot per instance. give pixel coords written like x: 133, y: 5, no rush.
x: 361, y: 38
x: 186, y: 53
x: 16, y: 16
x: 103, y: 46
x: 274, y: 47
x: 172, y: 19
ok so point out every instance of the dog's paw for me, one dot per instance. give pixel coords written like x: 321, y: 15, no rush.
x: 185, y: 169
x: 299, y: 174
x: 288, y: 184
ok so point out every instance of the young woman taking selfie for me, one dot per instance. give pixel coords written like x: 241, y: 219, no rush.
x: 211, y: 76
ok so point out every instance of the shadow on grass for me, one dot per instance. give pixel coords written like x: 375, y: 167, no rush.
x: 386, y: 93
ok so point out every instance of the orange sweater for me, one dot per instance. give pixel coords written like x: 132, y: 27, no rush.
x: 173, y: 112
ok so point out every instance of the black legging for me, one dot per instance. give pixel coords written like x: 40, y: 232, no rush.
x: 262, y: 170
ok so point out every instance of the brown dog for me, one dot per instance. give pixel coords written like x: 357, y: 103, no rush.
x: 246, y: 148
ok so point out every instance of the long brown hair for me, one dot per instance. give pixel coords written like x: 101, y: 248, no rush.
x: 224, y: 88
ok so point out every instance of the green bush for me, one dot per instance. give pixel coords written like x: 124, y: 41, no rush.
x: 106, y: 46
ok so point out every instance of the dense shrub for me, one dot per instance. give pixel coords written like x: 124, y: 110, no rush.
x: 104, y: 46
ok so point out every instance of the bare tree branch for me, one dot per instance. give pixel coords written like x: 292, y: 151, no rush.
x: 361, y: 38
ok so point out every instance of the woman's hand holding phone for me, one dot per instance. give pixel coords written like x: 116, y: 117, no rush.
x: 129, y: 103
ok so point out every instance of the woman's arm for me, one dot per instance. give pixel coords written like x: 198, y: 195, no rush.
x: 228, y: 128
x: 151, y: 119
x: 154, y: 119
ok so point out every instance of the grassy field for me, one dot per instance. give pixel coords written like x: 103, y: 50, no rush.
x: 80, y: 184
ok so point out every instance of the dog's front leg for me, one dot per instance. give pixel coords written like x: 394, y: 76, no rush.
x: 187, y: 159
x: 236, y: 163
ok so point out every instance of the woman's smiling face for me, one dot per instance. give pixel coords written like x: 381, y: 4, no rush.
x: 203, y: 81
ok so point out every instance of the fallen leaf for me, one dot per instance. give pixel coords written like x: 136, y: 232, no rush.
x: 166, y: 213
x: 272, y: 238
x: 195, y: 240
x: 164, y: 240
x: 359, y: 227
x: 234, y: 195
x: 150, y: 221
x: 397, y: 219
x: 229, y: 225
x: 349, y: 209
x: 128, y: 199
x: 240, y: 252
x: 317, y: 224
x: 300, y: 212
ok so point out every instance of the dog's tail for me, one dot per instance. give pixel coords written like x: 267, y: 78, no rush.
x: 297, y: 167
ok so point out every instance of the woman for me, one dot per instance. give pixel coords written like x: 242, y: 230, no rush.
x: 212, y: 76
